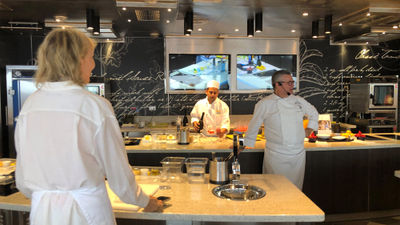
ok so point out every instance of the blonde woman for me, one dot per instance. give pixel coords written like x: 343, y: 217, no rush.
x: 68, y: 140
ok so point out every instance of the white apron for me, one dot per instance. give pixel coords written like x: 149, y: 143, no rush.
x: 287, y: 156
x: 90, y: 206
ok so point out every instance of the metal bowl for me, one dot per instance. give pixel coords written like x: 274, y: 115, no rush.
x: 239, y: 192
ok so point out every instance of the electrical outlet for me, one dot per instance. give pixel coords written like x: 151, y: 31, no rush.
x: 152, y: 108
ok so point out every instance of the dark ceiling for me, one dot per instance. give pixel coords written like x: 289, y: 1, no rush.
x: 218, y: 17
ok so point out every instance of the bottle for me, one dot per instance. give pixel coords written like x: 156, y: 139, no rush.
x: 185, y: 120
x: 201, y: 123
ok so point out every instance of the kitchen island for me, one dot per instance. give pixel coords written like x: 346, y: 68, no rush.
x: 195, y: 202
x: 341, y: 177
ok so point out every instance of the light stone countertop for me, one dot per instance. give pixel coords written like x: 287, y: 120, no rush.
x: 195, y: 202
x: 397, y: 173
x: 214, y: 144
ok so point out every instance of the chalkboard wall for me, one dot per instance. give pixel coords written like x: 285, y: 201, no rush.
x: 135, y: 72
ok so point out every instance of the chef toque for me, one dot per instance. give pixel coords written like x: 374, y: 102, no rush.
x: 213, y: 84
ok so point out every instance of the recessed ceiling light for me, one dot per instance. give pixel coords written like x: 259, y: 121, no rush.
x: 340, y: 24
x: 383, y: 32
x: 345, y: 42
x: 169, y: 9
x: 199, y: 29
x: 395, y: 26
x: 305, y: 13
x: 124, y: 8
x: 59, y: 19
x: 366, y: 42
x: 236, y: 30
x: 129, y: 20
x: 167, y: 21
x: 368, y: 14
x: 293, y: 31
x: 63, y: 27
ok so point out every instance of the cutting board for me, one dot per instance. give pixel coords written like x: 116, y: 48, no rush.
x: 116, y: 203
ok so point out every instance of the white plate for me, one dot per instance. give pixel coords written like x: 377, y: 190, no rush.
x: 339, y: 138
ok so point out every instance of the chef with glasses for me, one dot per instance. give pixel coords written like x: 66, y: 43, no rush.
x: 282, y: 115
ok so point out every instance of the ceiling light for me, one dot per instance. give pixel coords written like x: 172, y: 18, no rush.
x: 169, y: 9
x: 199, y: 29
x: 236, y: 30
x: 328, y: 24
x: 395, y: 27
x: 315, y: 32
x: 340, y: 24
x: 89, y: 19
x: 124, y: 8
x: 167, y: 21
x: 293, y: 31
x: 345, y: 42
x: 186, y: 33
x: 60, y: 19
x: 250, y: 27
x: 366, y: 42
x: 305, y: 13
x: 188, y: 21
x: 368, y: 14
x: 129, y: 20
x: 383, y: 32
x: 259, y: 22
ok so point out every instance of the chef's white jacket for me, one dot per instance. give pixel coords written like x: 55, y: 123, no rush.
x: 216, y: 114
x: 284, y: 134
x: 67, y: 141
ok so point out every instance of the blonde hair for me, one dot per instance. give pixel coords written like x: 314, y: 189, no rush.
x: 59, y: 56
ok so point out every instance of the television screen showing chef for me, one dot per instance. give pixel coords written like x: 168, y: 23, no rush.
x: 211, y: 115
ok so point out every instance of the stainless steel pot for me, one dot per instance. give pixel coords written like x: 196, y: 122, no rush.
x: 183, y: 136
x: 219, y: 171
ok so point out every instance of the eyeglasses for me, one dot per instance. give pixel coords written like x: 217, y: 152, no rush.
x: 289, y: 82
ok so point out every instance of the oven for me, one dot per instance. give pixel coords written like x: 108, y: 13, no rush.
x: 366, y: 97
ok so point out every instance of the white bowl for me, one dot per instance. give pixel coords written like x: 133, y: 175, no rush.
x: 324, y: 136
x: 339, y: 138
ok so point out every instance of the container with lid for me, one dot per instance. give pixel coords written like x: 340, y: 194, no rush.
x: 196, y: 168
x: 172, y: 169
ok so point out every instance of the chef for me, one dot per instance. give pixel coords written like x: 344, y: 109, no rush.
x: 282, y: 114
x: 216, y: 112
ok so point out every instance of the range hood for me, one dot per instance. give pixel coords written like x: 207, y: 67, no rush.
x: 372, y: 25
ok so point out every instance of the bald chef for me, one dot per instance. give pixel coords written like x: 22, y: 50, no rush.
x: 282, y: 114
x: 216, y: 112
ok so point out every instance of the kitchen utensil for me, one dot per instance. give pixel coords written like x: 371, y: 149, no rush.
x: 219, y: 171
x: 172, y: 169
x: 196, y: 168
x: 229, y: 156
x: 183, y: 136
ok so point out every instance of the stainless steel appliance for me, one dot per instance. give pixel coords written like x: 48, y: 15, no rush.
x: 373, y: 104
x: 184, y: 136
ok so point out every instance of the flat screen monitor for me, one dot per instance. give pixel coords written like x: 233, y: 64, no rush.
x: 96, y: 88
x: 254, y: 72
x: 193, y: 71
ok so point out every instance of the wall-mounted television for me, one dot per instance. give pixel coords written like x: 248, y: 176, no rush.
x: 254, y: 72
x: 193, y: 71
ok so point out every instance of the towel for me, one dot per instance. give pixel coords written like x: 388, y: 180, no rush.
x: 149, y: 189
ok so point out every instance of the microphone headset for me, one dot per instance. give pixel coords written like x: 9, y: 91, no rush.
x: 280, y: 84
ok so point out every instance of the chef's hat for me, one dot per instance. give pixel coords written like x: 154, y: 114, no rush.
x: 213, y: 84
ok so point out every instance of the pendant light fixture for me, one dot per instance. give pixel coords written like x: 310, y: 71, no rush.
x: 89, y: 19
x: 259, y: 22
x: 96, y: 25
x: 250, y: 27
x: 315, y: 28
x: 188, y: 21
x: 328, y: 24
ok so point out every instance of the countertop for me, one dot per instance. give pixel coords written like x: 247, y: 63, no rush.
x: 195, y: 202
x: 214, y: 144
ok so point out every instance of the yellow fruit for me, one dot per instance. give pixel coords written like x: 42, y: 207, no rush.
x: 12, y: 164
x: 1, y: 163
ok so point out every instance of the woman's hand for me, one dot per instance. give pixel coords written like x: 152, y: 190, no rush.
x: 154, y: 205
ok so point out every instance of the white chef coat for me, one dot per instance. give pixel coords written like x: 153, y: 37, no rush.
x: 67, y: 141
x: 216, y: 114
x: 284, y: 132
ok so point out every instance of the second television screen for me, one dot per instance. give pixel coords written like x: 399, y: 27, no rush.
x: 254, y: 72
x: 193, y: 71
